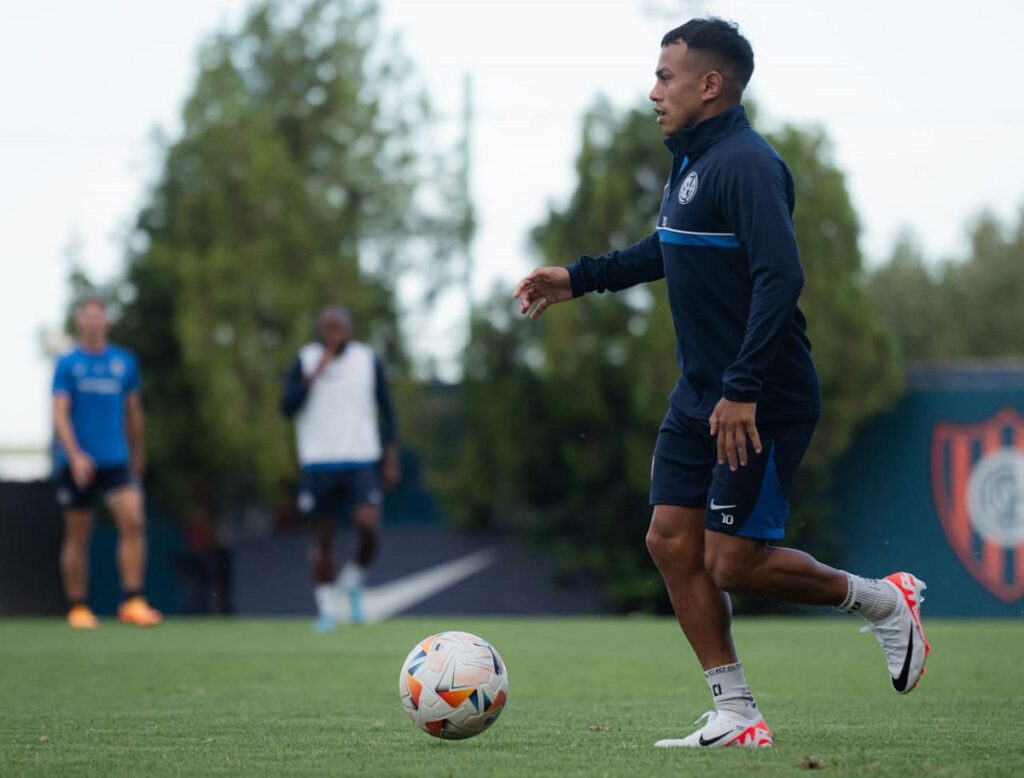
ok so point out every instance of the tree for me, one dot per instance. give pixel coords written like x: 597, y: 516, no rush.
x: 565, y: 418
x: 297, y: 182
x: 905, y: 293
x: 957, y: 310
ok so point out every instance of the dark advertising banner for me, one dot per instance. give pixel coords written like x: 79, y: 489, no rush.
x: 30, y: 535
x: 937, y: 488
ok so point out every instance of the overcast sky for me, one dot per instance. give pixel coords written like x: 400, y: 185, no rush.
x: 921, y: 106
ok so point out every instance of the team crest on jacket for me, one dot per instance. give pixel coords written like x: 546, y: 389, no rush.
x: 688, y: 188
x: 978, y: 484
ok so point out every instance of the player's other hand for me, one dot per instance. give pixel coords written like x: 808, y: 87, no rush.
x: 330, y: 352
x: 544, y: 287
x: 732, y: 423
x: 83, y: 469
x: 390, y: 469
x: 138, y: 466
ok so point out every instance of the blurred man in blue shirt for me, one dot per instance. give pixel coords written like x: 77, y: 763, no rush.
x: 98, y: 425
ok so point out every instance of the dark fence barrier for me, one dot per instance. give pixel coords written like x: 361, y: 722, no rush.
x: 425, y: 567
x: 30, y: 533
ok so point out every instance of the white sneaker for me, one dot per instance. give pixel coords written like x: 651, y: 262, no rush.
x: 723, y: 729
x: 901, y: 634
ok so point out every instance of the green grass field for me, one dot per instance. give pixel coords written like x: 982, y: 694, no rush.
x: 588, y: 697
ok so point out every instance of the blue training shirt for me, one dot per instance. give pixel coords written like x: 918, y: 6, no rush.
x: 726, y: 249
x: 97, y: 384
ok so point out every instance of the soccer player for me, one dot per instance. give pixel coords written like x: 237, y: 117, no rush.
x: 747, y: 400
x: 345, y: 435
x: 98, y: 423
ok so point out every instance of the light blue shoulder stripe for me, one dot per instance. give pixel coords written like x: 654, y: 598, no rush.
x: 683, y: 238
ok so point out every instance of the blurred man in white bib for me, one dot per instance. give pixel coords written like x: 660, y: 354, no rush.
x: 337, y: 392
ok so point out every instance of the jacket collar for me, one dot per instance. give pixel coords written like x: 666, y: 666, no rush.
x: 695, y: 140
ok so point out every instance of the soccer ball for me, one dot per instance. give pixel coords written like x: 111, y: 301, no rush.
x: 453, y: 685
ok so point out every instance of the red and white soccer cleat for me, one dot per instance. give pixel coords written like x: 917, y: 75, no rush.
x: 901, y: 634
x: 724, y: 729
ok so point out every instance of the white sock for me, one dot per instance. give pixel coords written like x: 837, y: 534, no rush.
x: 351, y: 576
x: 326, y: 600
x: 730, y: 691
x: 871, y: 598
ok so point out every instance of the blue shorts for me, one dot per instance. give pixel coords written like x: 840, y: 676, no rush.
x: 106, y: 479
x: 752, y: 502
x: 333, y: 491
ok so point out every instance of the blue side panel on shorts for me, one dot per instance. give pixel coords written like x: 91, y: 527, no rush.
x: 768, y: 519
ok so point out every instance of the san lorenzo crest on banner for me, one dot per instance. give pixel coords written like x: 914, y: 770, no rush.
x: 978, y: 486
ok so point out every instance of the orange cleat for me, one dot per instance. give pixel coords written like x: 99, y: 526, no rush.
x: 137, y: 611
x: 81, y: 617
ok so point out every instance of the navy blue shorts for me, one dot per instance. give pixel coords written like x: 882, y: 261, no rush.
x: 106, y: 479
x: 752, y: 502
x: 332, y: 492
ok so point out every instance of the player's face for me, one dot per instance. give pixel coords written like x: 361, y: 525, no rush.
x: 91, y: 323
x: 334, y: 333
x: 679, y: 93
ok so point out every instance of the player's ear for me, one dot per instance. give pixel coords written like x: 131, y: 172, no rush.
x: 714, y: 84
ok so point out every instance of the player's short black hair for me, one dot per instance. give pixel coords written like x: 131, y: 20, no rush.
x: 721, y: 39
x: 90, y: 299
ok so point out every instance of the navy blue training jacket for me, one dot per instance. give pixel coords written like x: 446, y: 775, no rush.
x: 726, y: 249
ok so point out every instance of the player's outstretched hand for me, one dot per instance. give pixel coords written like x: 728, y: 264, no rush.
x: 544, y: 287
x: 732, y: 423
x: 83, y: 469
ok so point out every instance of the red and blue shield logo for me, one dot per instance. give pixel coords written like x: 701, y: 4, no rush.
x: 978, y: 484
